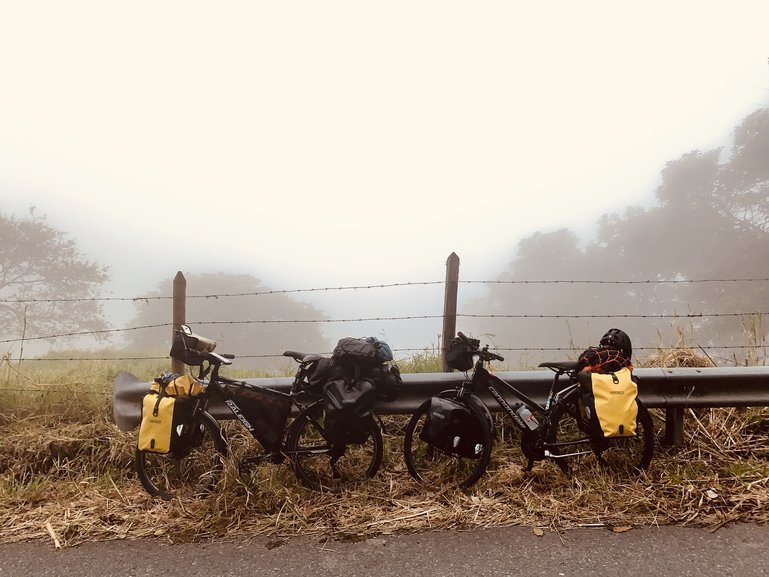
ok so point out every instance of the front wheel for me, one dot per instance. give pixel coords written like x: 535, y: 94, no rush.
x: 320, y: 468
x: 434, y: 467
x: 569, y: 434
x: 190, y: 470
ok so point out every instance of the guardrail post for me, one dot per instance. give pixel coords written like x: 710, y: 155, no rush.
x: 179, y: 313
x: 674, y: 427
x: 449, y: 307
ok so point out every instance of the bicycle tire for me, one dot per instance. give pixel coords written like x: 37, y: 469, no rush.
x: 310, y: 455
x: 432, y: 467
x: 625, y: 455
x: 194, y: 473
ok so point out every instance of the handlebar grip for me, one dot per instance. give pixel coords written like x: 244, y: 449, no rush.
x: 496, y: 357
x: 216, y: 358
x: 228, y: 355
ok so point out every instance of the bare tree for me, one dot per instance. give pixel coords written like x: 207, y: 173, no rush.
x: 46, y: 286
x: 710, y: 221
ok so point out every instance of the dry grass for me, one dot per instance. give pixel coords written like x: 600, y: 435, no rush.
x: 73, y: 472
x: 78, y: 477
x: 678, y: 357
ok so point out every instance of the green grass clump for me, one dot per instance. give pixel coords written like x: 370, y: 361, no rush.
x: 426, y: 361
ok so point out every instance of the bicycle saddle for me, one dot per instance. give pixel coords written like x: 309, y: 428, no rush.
x: 302, y: 357
x: 562, y: 366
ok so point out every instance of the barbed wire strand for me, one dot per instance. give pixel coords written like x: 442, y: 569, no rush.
x: 384, y: 285
x: 413, y: 350
x: 404, y: 318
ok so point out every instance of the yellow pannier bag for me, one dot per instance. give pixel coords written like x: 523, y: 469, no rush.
x: 184, y: 386
x: 157, y: 423
x: 610, y: 400
x: 165, y: 411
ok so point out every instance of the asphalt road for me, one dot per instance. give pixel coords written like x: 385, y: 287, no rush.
x: 732, y: 550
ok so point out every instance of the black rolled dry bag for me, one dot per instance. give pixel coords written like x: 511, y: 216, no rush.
x: 364, y: 352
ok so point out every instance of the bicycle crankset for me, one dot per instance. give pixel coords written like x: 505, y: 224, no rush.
x: 532, y: 446
x: 247, y: 463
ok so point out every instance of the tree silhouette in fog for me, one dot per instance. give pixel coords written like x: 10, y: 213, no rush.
x: 45, y: 283
x: 264, y: 340
x: 710, y: 221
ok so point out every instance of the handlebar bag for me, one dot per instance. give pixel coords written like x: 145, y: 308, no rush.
x: 262, y: 411
x: 191, y: 349
x: 452, y: 429
x: 366, y: 352
x: 610, y: 402
x: 164, y: 422
x: 181, y: 352
x: 459, y: 355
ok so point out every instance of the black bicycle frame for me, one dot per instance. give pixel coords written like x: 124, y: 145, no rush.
x: 484, y: 377
x: 215, y: 385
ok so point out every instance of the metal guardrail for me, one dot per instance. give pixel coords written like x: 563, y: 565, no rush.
x: 673, y: 389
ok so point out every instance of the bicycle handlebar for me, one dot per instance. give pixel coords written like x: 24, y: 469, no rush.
x: 218, y: 359
x: 202, y: 346
x: 495, y: 356
x: 474, y: 346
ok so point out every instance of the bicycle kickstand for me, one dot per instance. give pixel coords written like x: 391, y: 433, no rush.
x: 529, y: 465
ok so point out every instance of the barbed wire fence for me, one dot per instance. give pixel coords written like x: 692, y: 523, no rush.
x: 449, y: 316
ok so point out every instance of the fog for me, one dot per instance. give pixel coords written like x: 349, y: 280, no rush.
x: 344, y: 144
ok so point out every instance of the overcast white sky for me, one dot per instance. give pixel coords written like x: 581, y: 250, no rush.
x: 325, y: 143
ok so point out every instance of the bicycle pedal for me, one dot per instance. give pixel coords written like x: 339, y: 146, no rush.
x: 276, y: 457
x: 244, y: 467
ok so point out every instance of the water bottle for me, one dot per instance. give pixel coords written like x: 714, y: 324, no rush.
x: 525, y: 414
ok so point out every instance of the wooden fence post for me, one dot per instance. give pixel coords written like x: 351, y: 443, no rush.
x: 449, y: 307
x: 179, y: 314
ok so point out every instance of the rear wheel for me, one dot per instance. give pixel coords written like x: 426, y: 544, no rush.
x: 190, y: 471
x: 318, y: 468
x: 435, y: 468
x: 569, y: 435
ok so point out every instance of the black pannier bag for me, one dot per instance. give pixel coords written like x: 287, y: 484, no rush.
x: 263, y: 412
x: 348, y: 406
x: 364, y: 352
x: 452, y: 428
x: 319, y: 373
x: 386, y: 377
x: 459, y: 354
x: 387, y: 380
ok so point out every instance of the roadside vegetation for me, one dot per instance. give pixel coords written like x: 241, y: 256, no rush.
x: 66, y: 475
